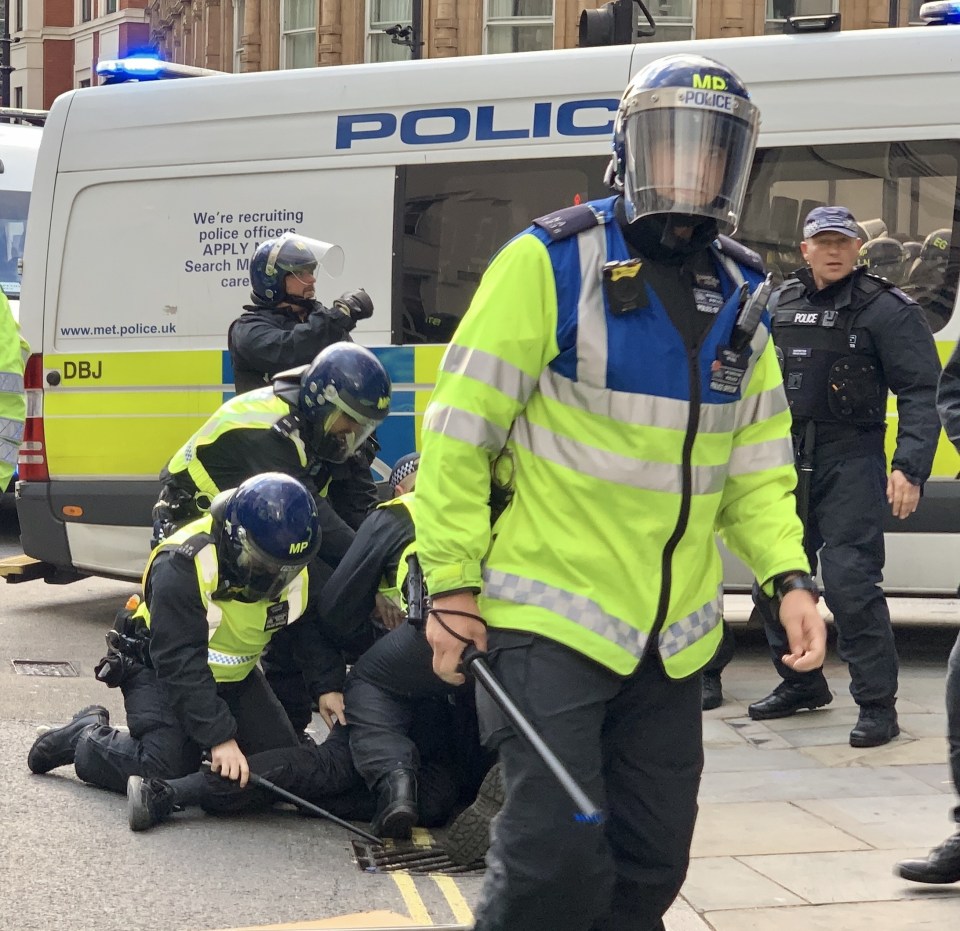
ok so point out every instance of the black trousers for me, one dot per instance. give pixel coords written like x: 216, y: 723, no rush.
x: 401, y: 714
x: 635, y: 746
x: 845, y: 532
x: 157, y: 745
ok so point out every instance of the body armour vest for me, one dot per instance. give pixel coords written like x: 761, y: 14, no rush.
x: 826, y: 375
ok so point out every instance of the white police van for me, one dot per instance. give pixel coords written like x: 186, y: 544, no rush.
x: 150, y: 199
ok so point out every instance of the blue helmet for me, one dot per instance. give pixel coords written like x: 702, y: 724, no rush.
x: 683, y: 142
x: 271, y: 531
x: 344, y: 379
x: 291, y: 254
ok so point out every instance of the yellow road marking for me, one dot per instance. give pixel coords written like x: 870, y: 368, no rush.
x: 451, y: 892
x: 408, y: 889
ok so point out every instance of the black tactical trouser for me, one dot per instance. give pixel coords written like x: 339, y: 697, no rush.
x: 845, y: 529
x: 953, y: 719
x: 401, y: 713
x: 725, y: 652
x: 157, y: 745
x: 635, y: 746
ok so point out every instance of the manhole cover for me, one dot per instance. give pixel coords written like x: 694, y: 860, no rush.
x: 396, y: 856
x: 38, y: 667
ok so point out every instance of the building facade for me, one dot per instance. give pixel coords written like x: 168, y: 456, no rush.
x: 256, y: 35
x: 57, y: 43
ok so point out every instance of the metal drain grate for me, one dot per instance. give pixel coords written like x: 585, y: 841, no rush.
x: 42, y: 667
x: 395, y: 856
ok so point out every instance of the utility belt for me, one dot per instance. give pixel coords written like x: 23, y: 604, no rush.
x: 128, y: 647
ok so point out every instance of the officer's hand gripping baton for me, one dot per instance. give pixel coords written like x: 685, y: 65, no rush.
x: 304, y: 804
x: 475, y: 661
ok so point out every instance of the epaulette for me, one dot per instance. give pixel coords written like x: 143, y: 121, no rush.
x: 192, y: 545
x: 875, y: 284
x: 791, y: 288
x: 740, y: 253
x: 562, y: 224
x: 287, y: 425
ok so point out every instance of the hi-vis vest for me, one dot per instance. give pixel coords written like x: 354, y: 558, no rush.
x: 631, y: 452
x: 397, y: 592
x: 13, y: 405
x: 238, y: 631
x: 255, y: 410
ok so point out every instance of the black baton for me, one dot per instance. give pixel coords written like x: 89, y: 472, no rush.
x: 475, y: 662
x: 303, y: 803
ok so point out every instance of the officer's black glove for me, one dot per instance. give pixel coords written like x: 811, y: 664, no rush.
x: 357, y: 305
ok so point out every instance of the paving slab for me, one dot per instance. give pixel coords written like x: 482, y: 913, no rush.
x: 729, y: 830
x: 724, y: 882
x: 844, y: 876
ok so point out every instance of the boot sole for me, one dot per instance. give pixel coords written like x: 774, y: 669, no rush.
x: 138, y: 817
x: 806, y: 706
x: 468, y: 838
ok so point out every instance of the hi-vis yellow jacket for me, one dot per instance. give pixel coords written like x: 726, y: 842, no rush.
x: 13, y: 406
x: 238, y: 631
x: 627, y: 459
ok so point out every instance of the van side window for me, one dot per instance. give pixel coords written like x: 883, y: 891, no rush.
x: 451, y: 220
x: 900, y: 192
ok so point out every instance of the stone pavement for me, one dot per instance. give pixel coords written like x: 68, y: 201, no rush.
x: 798, y: 831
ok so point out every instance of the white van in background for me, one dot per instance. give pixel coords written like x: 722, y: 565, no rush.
x: 19, y: 144
x: 150, y: 199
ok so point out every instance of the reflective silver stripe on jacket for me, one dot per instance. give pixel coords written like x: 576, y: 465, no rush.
x: 462, y: 425
x: 11, y: 382
x: 688, y: 630
x: 612, y: 467
x: 577, y: 608
x: 209, y: 569
x: 489, y: 369
x: 591, y: 313
x: 757, y: 457
x: 762, y: 406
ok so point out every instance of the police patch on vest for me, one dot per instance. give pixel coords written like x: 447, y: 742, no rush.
x: 708, y: 302
x: 806, y: 319
x: 277, y: 616
x: 727, y: 371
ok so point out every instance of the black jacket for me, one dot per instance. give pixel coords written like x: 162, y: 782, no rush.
x: 266, y: 340
x: 894, y: 330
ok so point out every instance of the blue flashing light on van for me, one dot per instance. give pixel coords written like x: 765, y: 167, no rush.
x: 146, y: 68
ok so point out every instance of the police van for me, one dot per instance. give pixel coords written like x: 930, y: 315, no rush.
x: 151, y: 198
x: 19, y: 143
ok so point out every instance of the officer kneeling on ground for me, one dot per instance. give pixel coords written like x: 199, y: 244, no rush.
x: 285, y: 326
x: 845, y: 337
x: 186, y: 659
x: 311, y: 424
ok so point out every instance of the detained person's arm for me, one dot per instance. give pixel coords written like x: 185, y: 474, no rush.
x: 489, y: 371
x: 757, y: 518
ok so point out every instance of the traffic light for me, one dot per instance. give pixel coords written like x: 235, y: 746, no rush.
x: 612, y: 24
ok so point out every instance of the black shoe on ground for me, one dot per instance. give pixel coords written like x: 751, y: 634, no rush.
x: 396, y: 805
x: 942, y: 866
x: 469, y: 836
x: 57, y: 746
x: 149, y: 801
x: 712, y: 691
x: 876, y: 726
x: 788, y: 698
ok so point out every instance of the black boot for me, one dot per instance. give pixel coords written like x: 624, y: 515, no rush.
x: 469, y: 836
x: 149, y: 801
x: 790, y: 697
x: 712, y: 691
x: 396, y: 805
x: 942, y: 866
x: 57, y: 746
x: 877, y: 725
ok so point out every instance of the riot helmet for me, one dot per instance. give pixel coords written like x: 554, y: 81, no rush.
x: 291, y: 254
x: 269, y: 531
x: 344, y: 394
x: 886, y: 257
x: 683, y: 142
